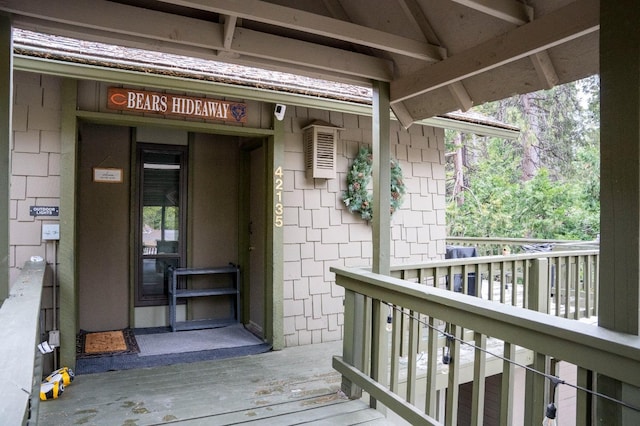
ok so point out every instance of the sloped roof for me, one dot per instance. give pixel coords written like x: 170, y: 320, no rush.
x: 438, y: 56
x: 35, y: 44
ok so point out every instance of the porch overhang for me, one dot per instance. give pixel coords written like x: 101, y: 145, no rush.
x: 437, y: 56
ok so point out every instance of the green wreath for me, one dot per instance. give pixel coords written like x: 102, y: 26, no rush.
x: 357, y: 198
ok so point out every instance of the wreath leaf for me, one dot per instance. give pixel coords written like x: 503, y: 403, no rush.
x: 357, y: 198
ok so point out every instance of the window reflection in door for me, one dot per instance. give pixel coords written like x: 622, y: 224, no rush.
x: 161, y: 191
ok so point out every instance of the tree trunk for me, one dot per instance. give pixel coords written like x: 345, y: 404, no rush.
x: 530, y: 156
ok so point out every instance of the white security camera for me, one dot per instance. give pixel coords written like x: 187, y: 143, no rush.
x: 279, y: 111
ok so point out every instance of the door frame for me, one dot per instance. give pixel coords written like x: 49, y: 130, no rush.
x: 136, y: 195
x: 68, y: 273
x: 245, y: 226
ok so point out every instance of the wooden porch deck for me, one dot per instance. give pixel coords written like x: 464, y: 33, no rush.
x: 290, y: 387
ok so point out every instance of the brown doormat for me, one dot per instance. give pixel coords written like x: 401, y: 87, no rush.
x: 106, y: 343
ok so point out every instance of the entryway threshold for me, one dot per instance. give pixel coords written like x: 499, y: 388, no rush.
x: 160, y: 349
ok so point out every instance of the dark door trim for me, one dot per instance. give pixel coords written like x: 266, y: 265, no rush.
x: 164, y: 260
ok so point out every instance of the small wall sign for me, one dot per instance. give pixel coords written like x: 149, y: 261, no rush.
x: 107, y: 175
x: 44, y: 211
x: 175, y: 105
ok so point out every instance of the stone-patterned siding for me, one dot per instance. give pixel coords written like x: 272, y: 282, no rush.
x: 35, y: 171
x: 319, y: 232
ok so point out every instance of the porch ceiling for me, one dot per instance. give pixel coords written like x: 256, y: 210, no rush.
x: 437, y: 55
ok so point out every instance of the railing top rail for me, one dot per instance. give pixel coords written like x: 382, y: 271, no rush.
x: 595, y: 348
x: 516, y: 240
x: 481, y: 260
x: 19, y: 316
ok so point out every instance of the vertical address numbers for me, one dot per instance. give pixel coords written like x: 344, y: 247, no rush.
x: 278, y: 209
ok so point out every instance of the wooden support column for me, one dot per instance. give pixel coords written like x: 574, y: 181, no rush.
x: 381, y: 175
x: 619, y: 299
x: 274, y: 282
x: 6, y: 100
x: 67, y: 270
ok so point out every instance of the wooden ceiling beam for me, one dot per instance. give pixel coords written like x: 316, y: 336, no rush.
x: 545, y: 69
x: 575, y: 20
x: 295, y: 19
x: 415, y: 14
x: 115, y: 18
x: 518, y: 14
x: 261, y: 45
x: 508, y: 10
x: 229, y: 29
x: 114, y: 23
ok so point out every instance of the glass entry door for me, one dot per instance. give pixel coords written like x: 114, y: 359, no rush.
x: 161, y: 220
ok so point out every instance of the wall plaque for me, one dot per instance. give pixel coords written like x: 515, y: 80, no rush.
x: 175, y: 105
x: 107, y: 175
x: 44, y: 211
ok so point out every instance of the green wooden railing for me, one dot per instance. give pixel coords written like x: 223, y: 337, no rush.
x: 564, y: 283
x: 403, y: 368
x: 488, y: 246
x: 19, y: 334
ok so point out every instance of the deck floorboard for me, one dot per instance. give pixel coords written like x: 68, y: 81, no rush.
x: 293, y: 386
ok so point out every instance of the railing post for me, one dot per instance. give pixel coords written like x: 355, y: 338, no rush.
x: 535, y: 396
x: 353, y: 340
x: 538, y: 296
x: 379, y: 349
x: 585, y: 410
x: 453, y: 383
x: 508, y: 383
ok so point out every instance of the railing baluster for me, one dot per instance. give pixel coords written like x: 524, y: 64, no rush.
x: 479, y: 368
x: 353, y: 349
x: 535, y: 391
x: 526, y: 282
x: 506, y: 392
x: 412, y: 366
x: 396, y: 341
x: 451, y: 404
x: 557, y: 287
x: 584, y: 402
x: 579, y: 283
x: 379, y: 347
x: 575, y: 286
x: 514, y: 284
x: 588, y: 276
x: 431, y: 401
x: 503, y: 281
x: 567, y: 287
x: 492, y: 274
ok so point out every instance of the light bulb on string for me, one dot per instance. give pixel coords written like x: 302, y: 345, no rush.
x: 551, y: 410
x: 446, y: 355
x: 389, y: 325
x: 550, y: 415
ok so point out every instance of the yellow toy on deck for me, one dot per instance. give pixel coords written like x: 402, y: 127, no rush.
x: 53, y: 385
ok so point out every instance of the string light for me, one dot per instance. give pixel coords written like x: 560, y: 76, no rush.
x: 550, y: 410
x: 550, y: 415
x: 389, y: 325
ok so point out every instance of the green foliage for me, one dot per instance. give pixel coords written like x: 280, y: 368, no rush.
x: 358, y: 198
x: 561, y: 201
x: 152, y: 216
